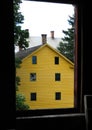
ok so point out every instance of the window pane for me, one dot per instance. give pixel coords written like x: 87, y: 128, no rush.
x: 34, y: 60
x: 57, y: 77
x: 58, y: 96
x: 33, y: 96
x: 33, y: 76
x: 56, y: 60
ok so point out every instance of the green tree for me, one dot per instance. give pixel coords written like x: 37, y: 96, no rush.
x: 20, y: 40
x: 17, y: 65
x: 20, y: 103
x: 20, y: 99
x: 20, y: 36
x: 66, y: 46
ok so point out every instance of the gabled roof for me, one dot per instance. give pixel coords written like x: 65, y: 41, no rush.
x: 25, y: 53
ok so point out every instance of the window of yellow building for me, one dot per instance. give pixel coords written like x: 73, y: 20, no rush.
x: 32, y: 76
x: 58, y: 96
x: 56, y: 60
x: 57, y: 76
x: 33, y: 96
x: 34, y: 59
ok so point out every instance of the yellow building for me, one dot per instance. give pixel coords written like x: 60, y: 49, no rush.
x: 47, y: 78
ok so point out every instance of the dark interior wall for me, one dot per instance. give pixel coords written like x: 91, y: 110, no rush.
x: 87, y: 65
x: 7, y: 83
x: 72, y: 122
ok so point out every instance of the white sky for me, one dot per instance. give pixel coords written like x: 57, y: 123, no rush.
x: 42, y: 17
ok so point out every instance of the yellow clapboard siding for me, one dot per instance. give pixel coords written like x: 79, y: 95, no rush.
x: 45, y: 85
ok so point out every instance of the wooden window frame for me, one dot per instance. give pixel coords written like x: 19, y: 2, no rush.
x: 9, y: 69
x: 82, y: 69
x: 78, y: 92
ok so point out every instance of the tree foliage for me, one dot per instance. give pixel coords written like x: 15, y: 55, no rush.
x: 17, y: 62
x: 20, y: 36
x: 20, y: 39
x: 66, y: 46
x: 20, y: 99
x: 20, y: 103
x: 17, y: 65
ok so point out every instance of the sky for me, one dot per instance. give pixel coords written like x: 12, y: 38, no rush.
x: 43, y: 17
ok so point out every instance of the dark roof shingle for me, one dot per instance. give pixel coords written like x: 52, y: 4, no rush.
x: 23, y: 53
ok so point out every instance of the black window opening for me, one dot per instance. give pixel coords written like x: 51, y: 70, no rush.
x: 56, y: 60
x: 57, y: 76
x: 34, y: 59
x: 58, y: 96
x: 32, y: 76
x: 33, y: 96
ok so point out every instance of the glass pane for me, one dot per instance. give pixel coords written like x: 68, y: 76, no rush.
x: 34, y: 59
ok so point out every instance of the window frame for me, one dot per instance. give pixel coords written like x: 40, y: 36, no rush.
x: 57, y: 95
x: 34, y: 59
x: 57, y: 77
x: 35, y: 77
x: 33, y: 96
x: 78, y: 70
x: 56, y: 60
